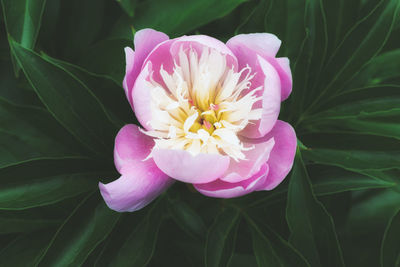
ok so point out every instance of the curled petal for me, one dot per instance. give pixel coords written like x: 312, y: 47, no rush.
x: 131, y: 145
x: 223, y: 189
x: 183, y: 166
x: 255, y: 158
x: 271, y: 102
x: 140, y: 183
x: 282, y: 155
x: 145, y: 40
x: 266, y: 45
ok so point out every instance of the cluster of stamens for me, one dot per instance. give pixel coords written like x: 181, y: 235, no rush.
x: 202, y: 105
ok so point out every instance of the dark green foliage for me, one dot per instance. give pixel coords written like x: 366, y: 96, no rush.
x: 62, y: 103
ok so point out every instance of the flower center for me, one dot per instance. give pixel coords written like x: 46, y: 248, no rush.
x: 202, y: 105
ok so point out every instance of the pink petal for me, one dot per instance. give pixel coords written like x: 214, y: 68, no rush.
x: 255, y: 158
x: 131, y: 145
x: 199, y: 41
x: 161, y: 56
x: 282, y: 155
x: 246, y: 46
x: 183, y: 166
x: 223, y: 189
x: 145, y: 40
x: 282, y: 65
x: 129, y: 79
x: 165, y: 53
x: 141, y: 97
x: 140, y: 183
x: 271, y: 101
x: 265, y: 44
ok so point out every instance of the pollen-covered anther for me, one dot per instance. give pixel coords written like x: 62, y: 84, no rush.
x: 203, y: 104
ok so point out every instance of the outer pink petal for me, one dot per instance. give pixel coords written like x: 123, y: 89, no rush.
x: 145, y: 40
x: 131, y: 145
x: 141, y: 97
x: 255, y: 158
x: 262, y: 43
x: 141, y: 181
x: 129, y: 79
x: 282, y: 155
x: 271, y: 102
x: 245, y: 46
x: 223, y: 189
x: 282, y: 65
x: 183, y: 166
x: 161, y: 56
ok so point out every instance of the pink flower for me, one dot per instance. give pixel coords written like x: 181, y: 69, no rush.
x: 209, y: 113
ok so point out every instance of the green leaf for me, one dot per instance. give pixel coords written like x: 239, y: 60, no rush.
x: 81, y: 23
x: 377, y: 116
x: 45, y: 190
x: 390, y: 252
x: 88, y: 225
x: 375, y: 208
x: 188, y: 219
x: 230, y: 246
x: 26, y: 249
x: 368, y: 92
x: 353, y: 151
x: 25, y: 221
x: 373, y: 31
x: 13, y: 90
x: 390, y: 176
x: 340, y: 17
x: 371, y: 108
x: 239, y: 260
x: 30, y: 132
x: 69, y: 101
x: 127, y: 224
x: 365, y: 226
x: 311, y: 227
x: 107, y: 91
x: 187, y: 15
x: 330, y: 180
x: 22, y: 19
x: 128, y: 6
x: 290, y: 30
x: 313, y: 53
x: 139, y: 247
x: 112, y: 59
x: 252, y: 16
x: 355, y: 159
x: 45, y: 181
x: 366, y: 126
x: 381, y: 69
x: 272, y: 250
x: 218, y: 235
